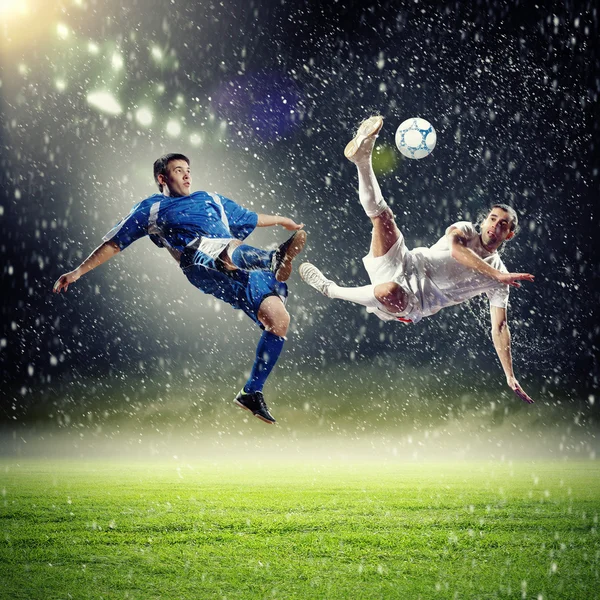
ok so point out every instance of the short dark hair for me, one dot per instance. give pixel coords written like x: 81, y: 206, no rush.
x: 160, y: 166
x: 512, y: 213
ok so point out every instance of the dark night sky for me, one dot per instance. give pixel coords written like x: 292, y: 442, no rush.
x: 263, y: 96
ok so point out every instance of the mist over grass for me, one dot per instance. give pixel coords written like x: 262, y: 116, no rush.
x: 362, y: 409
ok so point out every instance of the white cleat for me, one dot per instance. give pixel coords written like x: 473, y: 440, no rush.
x: 311, y: 275
x: 361, y: 147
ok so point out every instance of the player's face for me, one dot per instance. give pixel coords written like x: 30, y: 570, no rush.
x: 178, y: 179
x: 496, y: 229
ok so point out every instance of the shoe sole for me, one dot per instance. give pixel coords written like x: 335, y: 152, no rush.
x: 265, y: 420
x: 285, y: 270
x: 257, y: 416
x: 368, y: 128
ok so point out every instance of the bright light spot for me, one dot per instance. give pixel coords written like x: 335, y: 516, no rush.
x: 60, y: 84
x: 179, y: 100
x: 117, y: 61
x: 23, y: 70
x: 144, y: 117
x: 157, y: 53
x: 173, y: 128
x: 160, y: 88
x: 93, y: 48
x: 195, y: 139
x: 62, y: 31
x: 104, y: 102
x: 13, y: 7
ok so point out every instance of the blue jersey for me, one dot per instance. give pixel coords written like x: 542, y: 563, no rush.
x: 177, y: 223
x: 200, y: 226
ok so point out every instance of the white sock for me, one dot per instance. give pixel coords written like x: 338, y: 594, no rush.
x: 364, y: 295
x: 369, y: 192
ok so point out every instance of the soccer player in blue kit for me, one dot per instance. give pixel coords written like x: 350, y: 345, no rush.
x: 204, y: 233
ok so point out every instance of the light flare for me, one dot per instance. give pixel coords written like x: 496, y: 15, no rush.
x: 117, y: 61
x: 105, y: 102
x: 144, y: 116
x: 62, y: 31
x: 173, y: 128
x: 14, y: 8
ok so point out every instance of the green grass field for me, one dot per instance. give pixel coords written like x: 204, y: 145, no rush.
x: 280, y: 529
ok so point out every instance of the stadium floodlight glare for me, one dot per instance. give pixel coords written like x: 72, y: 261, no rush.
x: 144, y: 117
x: 157, y: 53
x: 62, y: 31
x: 105, y: 102
x: 15, y: 8
x: 117, y: 61
x: 173, y: 128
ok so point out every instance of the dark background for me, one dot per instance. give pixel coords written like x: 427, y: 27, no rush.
x: 267, y: 94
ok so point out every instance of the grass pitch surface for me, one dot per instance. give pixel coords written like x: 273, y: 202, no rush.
x: 299, y: 530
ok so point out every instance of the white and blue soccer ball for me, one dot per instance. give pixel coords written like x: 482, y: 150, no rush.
x: 415, y: 138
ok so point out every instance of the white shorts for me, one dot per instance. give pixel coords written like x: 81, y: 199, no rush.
x: 212, y: 247
x: 392, y: 267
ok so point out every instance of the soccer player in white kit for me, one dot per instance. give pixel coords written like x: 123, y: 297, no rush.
x: 407, y: 285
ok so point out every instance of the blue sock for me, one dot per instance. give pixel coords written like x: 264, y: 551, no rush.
x: 267, y: 352
x: 249, y: 258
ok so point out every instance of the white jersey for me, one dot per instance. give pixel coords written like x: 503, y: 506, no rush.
x: 434, y: 278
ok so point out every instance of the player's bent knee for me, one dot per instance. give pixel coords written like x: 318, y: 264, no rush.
x: 281, y: 323
x: 391, y: 295
x: 386, y: 290
x: 274, y: 316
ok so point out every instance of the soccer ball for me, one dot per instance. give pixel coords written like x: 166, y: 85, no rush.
x: 415, y: 138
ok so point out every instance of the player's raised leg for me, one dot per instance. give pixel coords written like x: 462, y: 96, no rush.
x: 360, y: 151
x: 385, y: 232
x: 275, y: 318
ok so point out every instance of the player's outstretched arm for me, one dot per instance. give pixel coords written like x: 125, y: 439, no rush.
x: 285, y: 222
x: 100, y: 255
x: 514, y: 278
x: 465, y: 256
x: 501, y: 338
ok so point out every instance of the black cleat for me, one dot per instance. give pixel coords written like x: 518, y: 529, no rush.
x: 255, y: 403
x: 282, y: 259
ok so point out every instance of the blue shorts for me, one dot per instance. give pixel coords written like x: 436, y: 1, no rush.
x: 244, y: 290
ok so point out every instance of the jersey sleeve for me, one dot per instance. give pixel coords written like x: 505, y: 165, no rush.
x: 242, y: 221
x: 131, y: 228
x: 465, y: 226
x: 499, y: 296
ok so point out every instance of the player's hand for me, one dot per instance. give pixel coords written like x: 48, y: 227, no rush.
x: 514, y: 278
x: 290, y: 224
x: 63, y: 282
x: 513, y: 384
